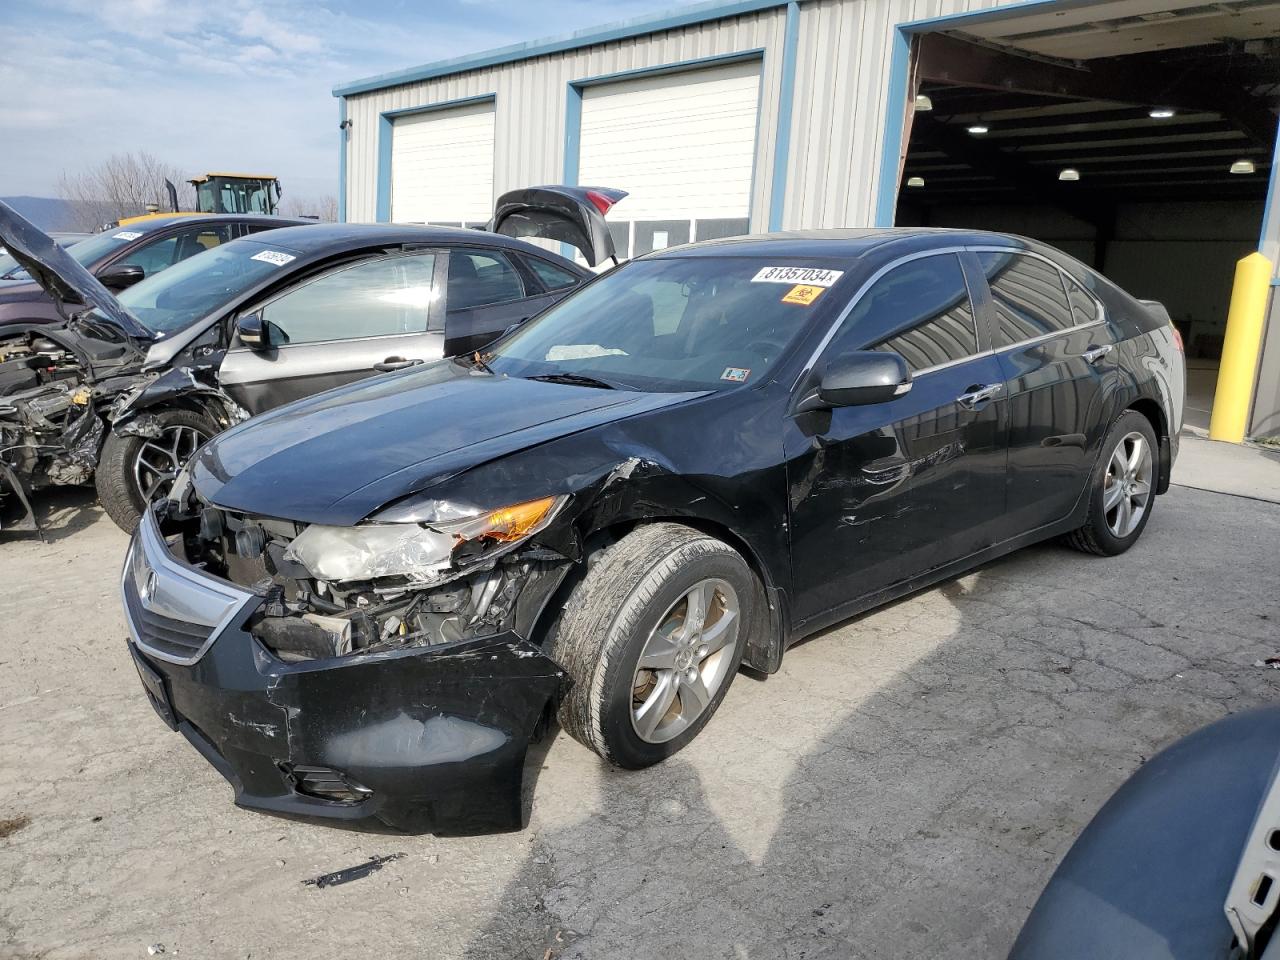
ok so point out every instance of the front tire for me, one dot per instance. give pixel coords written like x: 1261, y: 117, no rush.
x: 133, y: 470
x: 1123, y: 488
x: 652, y: 637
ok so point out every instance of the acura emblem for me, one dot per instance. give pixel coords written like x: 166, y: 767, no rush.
x: 148, y: 589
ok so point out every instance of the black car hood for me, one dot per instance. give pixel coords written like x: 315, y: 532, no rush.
x: 59, y: 273
x: 339, y: 456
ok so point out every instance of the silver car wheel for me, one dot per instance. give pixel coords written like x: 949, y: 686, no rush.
x: 1126, y: 489
x: 161, y: 458
x: 685, y: 661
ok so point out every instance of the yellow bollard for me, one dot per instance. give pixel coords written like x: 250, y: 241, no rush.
x: 1240, y: 349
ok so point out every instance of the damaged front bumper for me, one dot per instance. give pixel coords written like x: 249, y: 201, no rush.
x: 422, y: 738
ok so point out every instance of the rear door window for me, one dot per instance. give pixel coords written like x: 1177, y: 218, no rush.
x: 1084, y: 308
x: 920, y: 310
x: 551, y: 276
x: 1029, y: 296
x: 478, y: 278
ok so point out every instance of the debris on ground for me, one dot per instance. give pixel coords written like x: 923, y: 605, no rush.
x: 1272, y: 662
x: 11, y: 825
x: 154, y: 949
x: 346, y: 875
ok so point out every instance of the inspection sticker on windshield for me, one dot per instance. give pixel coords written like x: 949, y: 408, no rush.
x: 736, y: 374
x: 810, y: 276
x: 274, y: 256
x: 803, y: 294
x: 126, y: 235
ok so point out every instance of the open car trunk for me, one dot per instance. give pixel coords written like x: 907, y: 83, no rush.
x: 572, y: 215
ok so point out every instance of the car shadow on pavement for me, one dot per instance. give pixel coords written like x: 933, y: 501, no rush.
x: 903, y: 786
x: 62, y: 512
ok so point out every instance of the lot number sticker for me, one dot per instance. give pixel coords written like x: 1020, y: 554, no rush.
x: 274, y: 256
x: 126, y: 235
x: 809, y: 276
x: 803, y: 294
x: 736, y: 374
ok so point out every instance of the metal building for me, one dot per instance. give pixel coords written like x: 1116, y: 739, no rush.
x: 1139, y: 135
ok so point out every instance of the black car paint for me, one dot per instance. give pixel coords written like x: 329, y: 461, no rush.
x: 1149, y: 876
x: 835, y: 510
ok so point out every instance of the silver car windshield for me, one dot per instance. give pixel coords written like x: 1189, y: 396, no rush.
x: 175, y: 298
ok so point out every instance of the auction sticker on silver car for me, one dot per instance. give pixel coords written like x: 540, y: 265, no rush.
x: 811, y: 276
x: 274, y: 256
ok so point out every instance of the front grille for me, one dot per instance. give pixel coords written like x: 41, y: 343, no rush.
x: 174, y: 610
x: 160, y: 634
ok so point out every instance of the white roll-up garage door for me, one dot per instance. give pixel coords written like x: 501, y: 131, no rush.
x: 682, y: 144
x: 442, y: 166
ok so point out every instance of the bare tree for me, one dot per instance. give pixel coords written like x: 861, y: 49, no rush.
x: 322, y: 208
x: 122, y: 186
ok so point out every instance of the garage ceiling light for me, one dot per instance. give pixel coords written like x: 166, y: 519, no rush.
x: 1161, y: 113
x: 1243, y: 166
x: 978, y: 129
x: 923, y: 102
x: 1068, y: 173
x: 915, y: 181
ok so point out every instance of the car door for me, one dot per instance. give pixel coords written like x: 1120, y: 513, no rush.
x: 357, y: 319
x: 485, y: 295
x: 884, y: 492
x: 1054, y: 349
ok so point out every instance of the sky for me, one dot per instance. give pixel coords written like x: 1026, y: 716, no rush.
x: 228, y: 84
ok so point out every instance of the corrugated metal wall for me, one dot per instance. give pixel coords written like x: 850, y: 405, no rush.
x: 531, y: 96
x: 842, y: 79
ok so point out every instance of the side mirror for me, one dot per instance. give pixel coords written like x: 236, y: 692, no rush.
x: 253, y: 332
x: 867, y: 376
x: 118, y: 276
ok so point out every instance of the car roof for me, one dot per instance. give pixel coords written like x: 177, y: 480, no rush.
x: 839, y: 243
x: 325, y: 238
x: 195, y: 219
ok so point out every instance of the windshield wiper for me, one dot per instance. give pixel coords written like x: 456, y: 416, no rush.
x: 577, y: 379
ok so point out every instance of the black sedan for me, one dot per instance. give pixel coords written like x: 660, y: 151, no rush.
x: 124, y: 393
x: 122, y: 256
x: 366, y: 603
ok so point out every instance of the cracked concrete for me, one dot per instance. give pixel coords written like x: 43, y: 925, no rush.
x: 904, y: 786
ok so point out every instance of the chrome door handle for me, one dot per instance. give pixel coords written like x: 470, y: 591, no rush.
x: 395, y: 363
x: 1097, y: 352
x: 978, y: 395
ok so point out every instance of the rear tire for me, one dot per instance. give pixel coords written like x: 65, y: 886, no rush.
x: 120, y: 475
x: 643, y: 595
x: 1122, y: 489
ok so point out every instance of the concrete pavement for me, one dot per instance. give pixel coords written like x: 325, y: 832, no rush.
x: 904, y: 786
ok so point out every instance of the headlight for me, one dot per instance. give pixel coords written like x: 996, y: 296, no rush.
x: 421, y: 552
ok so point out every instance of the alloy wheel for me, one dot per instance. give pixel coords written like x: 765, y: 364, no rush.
x: 1126, y: 491
x: 685, y: 661
x: 162, y: 457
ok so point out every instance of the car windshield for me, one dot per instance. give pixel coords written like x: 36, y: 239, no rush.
x: 701, y: 323
x: 175, y: 298
x: 83, y: 252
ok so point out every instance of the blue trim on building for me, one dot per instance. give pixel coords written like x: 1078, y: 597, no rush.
x: 342, y: 160
x: 786, y: 96
x: 638, y: 27
x: 386, y: 123
x: 895, y: 119
x: 1273, y: 187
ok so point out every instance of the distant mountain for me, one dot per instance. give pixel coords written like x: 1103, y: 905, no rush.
x: 47, y: 213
